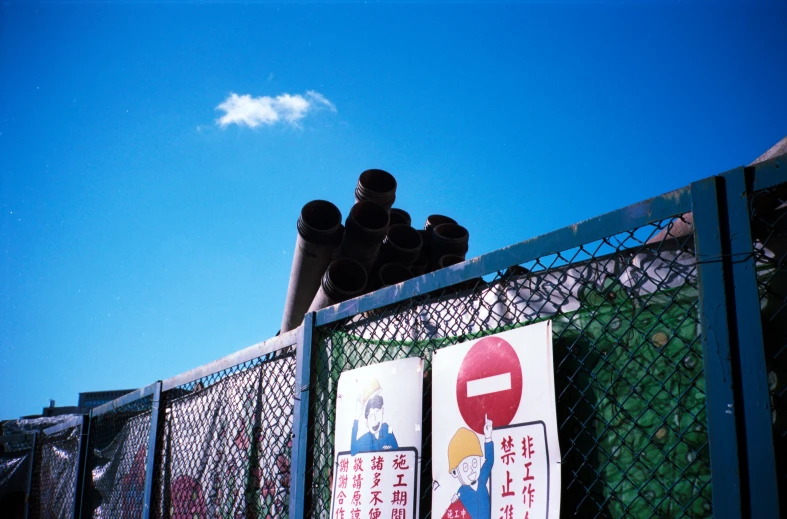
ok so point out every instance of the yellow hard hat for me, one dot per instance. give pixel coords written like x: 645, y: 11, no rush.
x: 464, y: 443
x: 371, y: 388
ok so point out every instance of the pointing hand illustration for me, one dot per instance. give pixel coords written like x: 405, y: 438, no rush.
x: 487, y: 428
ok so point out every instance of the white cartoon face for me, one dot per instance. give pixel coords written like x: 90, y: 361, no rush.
x: 469, y: 470
x: 374, y: 420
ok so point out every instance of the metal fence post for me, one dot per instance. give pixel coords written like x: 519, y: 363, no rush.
x: 30, y: 476
x: 714, y: 316
x: 760, y: 455
x: 150, y: 462
x: 83, y: 466
x: 84, y: 431
x: 300, y: 426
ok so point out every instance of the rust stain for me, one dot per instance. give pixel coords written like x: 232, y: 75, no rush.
x: 675, y: 195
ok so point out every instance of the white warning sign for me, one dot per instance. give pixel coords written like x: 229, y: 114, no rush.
x: 495, y: 450
x: 377, y: 441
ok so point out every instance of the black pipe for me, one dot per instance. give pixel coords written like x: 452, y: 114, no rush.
x: 337, y: 243
x: 452, y: 259
x: 391, y: 274
x: 400, y: 216
x: 376, y: 185
x: 421, y: 265
x: 364, y: 231
x: 448, y: 238
x: 425, y: 262
x: 317, y: 226
x: 402, y: 244
x: 344, y: 279
x: 433, y: 220
x: 449, y: 259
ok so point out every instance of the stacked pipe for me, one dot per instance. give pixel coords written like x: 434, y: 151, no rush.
x: 376, y: 247
x: 318, y: 229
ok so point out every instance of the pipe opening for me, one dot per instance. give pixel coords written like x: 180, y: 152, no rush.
x: 378, y: 186
x: 451, y: 231
x: 344, y: 279
x: 377, y: 180
x: 319, y: 222
x: 448, y: 238
x: 404, y: 237
x: 433, y: 220
x: 368, y: 221
x: 400, y: 216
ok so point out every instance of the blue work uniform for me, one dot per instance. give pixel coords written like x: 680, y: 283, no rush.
x: 368, y: 443
x: 477, y: 502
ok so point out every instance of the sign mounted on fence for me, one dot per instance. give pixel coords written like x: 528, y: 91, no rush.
x: 495, y: 450
x: 378, y: 441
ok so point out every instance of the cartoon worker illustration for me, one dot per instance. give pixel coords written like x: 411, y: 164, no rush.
x: 370, y: 405
x: 472, y: 468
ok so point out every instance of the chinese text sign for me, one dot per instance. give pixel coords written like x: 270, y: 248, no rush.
x: 495, y: 452
x: 378, y: 441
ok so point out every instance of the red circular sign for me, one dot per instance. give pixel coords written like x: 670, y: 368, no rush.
x: 489, y: 383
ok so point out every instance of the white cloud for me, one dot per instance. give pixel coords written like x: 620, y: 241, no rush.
x: 319, y: 98
x: 265, y: 110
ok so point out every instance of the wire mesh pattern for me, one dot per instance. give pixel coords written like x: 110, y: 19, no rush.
x: 768, y: 211
x: 116, y: 462
x: 16, y: 443
x: 15, y: 456
x: 14, y: 469
x: 31, y: 425
x: 224, y: 443
x: 629, y: 375
x: 11, y: 464
x: 55, y: 468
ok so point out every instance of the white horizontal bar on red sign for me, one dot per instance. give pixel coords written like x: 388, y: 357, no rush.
x: 493, y: 384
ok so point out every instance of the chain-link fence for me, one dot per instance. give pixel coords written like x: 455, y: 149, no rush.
x: 768, y: 211
x: 15, y: 468
x: 638, y: 344
x: 116, y: 461
x: 53, y: 492
x: 629, y: 369
x: 224, y: 442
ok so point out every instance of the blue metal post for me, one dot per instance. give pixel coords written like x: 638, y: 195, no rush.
x: 717, y: 355
x: 150, y: 465
x: 300, y: 426
x: 760, y: 453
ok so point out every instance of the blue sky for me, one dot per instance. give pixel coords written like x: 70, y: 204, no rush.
x: 140, y: 237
